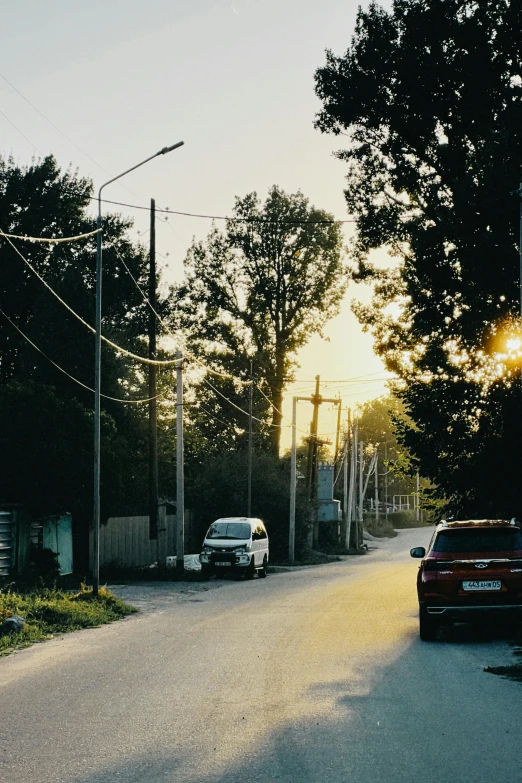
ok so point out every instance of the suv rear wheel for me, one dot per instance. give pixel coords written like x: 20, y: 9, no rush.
x: 427, y: 625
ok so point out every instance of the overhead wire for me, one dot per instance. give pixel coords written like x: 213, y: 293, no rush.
x: 246, y: 413
x: 76, y: 380
x: 226, y: 217
x: 62, y: 133
x: 188, y: 354
x: 20, y: 132
x: 114, y: 346
x: 50, y: 240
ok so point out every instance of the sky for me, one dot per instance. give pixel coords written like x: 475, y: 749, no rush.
x: 113, y: 81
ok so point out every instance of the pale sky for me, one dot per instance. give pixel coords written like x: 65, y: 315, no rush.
x: 121, y: 79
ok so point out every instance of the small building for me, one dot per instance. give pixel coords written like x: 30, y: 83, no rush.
x: 21, y: 533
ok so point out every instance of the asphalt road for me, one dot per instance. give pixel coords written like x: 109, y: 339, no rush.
x: 311, y: 676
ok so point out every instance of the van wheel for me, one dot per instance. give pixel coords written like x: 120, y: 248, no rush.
x: 206, y: 571
x: 251, y: 570
x: 262, y: 572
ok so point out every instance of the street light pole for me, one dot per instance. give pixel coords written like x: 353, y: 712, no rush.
x: 97, y: 372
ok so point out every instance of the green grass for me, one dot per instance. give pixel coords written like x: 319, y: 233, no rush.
x: 381, y: 528
x: 402, y: 520
x: 50, y: 612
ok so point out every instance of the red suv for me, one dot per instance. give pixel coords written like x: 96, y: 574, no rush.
x: 471, y: 571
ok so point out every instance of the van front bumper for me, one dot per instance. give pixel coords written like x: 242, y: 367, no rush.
x: 222, y: 560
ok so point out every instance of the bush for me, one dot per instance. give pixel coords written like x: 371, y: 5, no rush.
x: 381, y: 527
x: 405, y: 519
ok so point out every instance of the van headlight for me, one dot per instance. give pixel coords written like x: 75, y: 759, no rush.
x: 243, y: 548
x: 206, y: 550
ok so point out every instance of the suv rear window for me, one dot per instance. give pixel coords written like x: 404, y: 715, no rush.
x: 478, y: 540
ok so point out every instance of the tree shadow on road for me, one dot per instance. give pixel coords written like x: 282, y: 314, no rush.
x: 432, y: 709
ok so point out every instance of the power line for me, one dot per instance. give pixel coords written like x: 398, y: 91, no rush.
x: 80, y: 383
x: 225, y: 217
x: 50, y: 240
x: 20, y: 132
x: 246, y: 413
x: 114, y: 346
x: 187, y: 354
x: 61, y: 132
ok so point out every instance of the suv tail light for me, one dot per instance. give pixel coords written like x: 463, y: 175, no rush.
x: 434, y: 564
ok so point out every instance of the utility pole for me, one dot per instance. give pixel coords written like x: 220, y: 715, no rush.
x: 312, y: 443
x: 338, y: 433
x: 360, y: 513
x: 376, y: 474
x: 180, y: 488
x: 250, y: 397
x: 352, y: 490
x: 417, y: 505
x: 293, y: 483
x: 386, y: 481
x: 153, y: 420
x: 311, y: 467
x: 345, y: 476
x: 311, y: 482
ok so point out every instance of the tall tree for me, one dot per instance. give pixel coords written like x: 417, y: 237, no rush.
x: 43, y: 410
x: 258, y: 291
x: 430, y: 98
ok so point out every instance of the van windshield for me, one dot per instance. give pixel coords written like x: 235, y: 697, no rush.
x: 229, y: 530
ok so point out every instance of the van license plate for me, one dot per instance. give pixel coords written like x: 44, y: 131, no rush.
x: 481, y: 585
x: 220, y: 563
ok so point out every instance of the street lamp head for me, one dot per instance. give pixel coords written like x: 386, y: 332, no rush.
x: 169, y: 149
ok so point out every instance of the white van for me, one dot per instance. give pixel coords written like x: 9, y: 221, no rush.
x: 235, y: 544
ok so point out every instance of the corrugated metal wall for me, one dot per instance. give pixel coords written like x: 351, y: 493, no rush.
x: 125, y: 541
x: 7, y: 542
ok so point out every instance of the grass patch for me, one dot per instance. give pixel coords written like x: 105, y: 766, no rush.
x: 381, y: 528
x: 50, y: 612
x: 311, y: 557
x: 402, y: 520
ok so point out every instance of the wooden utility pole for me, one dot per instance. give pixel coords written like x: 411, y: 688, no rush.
x: 180, y: 485
x: 360, y: 510
x: 352, y: 491
x: 293, y: 484
x: 386, y: 480
x: 338, y: 433
x: 376, y: 474
x: 250, y: 398
x: 346, y: 452
x: 312, y: 442
x: 153, y: 421
x: 417, y: 492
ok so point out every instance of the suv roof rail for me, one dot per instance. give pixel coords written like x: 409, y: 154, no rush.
x: 443, y: 522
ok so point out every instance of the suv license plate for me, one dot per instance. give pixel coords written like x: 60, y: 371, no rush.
x: 221, y: 563
x: 481, y: 585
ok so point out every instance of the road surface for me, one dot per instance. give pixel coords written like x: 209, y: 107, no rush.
x: 311, y: 676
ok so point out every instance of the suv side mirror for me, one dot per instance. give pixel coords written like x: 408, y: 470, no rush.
x: 417, y: 551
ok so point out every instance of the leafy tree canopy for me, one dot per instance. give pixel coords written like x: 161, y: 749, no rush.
x: 45, y: 416
x: 257, y: 291
x: 429, y: 97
